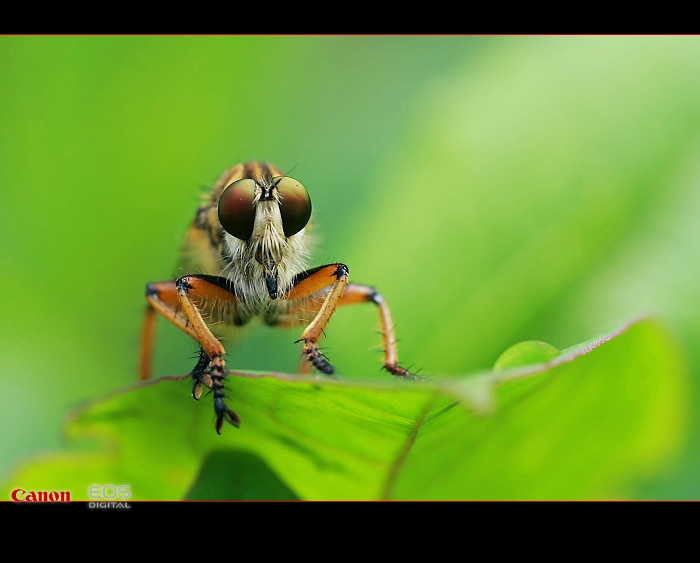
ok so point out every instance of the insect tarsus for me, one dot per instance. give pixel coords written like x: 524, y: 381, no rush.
x: 218, y: 373
x: 211, y: 373
x: 199, y: 377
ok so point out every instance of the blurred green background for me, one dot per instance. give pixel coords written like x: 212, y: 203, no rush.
x: 494, y: 189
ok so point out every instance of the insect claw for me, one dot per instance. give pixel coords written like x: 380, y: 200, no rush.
x: 224, y: 413
x: 232, y: 418
x: 199, y: 381
x: 196, y: 389
x: 199, y: 377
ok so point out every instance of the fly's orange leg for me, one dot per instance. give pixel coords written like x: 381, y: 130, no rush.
x: 355, y: 293
x: 313, y: 282
x: 149, y: 327
x: 176, y: 302
x: 162, y: 298
x: 306, y: 285
x: 212, y: 289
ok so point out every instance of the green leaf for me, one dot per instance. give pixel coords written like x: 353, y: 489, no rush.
x: 604, y: 416
x: 238, y: 475
x: 525, y: 354
x: 608, y: 412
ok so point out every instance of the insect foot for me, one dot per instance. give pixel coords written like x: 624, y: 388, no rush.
x: 316, y: 359
x: 217, y: 374
x: 398, y: 371
x: 224, y: 413
x: 199, y: 376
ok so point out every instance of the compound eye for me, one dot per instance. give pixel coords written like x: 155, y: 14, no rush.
x: 295, y: 204
x: 236, y: 211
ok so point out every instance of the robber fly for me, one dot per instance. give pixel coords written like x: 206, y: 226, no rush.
x: 247, y: 247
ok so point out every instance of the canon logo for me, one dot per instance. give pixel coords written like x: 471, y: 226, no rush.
x: 20, y: 495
